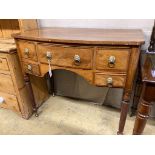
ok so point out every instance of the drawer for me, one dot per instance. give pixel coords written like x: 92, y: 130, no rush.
x: 112, y: 59
x: 27, y: 50
x: 31, y: 68
x: 6, y: 84
x: 66, y: 56
x: 9, y: 102
x: 111, y: 80
x: 3, y: 64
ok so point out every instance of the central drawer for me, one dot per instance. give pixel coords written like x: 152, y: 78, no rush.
x: 66, y: 56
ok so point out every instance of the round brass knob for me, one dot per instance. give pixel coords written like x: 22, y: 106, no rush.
x: 111, y: 61
x: 26, y: 51
x: 48, y: 55
x: 1, y: 100
x: 29, y: 67
x: 77, y: 59
x: 109, y: 81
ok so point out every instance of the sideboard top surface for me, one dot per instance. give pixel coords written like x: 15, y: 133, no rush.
x: 85, y: 36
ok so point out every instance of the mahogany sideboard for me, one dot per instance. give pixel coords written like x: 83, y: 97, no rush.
x: 104, y: 57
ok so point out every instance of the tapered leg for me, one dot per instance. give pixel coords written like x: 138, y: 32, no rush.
x: 124, y: 112
x: 29, y: 87
x: 144, y: 108
x: 142, y: 116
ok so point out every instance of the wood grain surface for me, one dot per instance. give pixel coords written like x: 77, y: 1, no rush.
x: 85, y: 36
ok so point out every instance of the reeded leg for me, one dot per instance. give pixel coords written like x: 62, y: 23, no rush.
x: 144, y: 108
x: 29, y: 87
x: 124, y: 112
x: 142, y: 116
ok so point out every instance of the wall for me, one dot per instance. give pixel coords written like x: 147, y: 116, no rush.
x: 144, y: 24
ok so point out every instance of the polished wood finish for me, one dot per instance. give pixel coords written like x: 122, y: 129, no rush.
x: 28, y: 50
x: 120, y: 64
x: 13, y: 89
x: 10, y: 26
x: 118, y: 80
x: 63, y: 56
x: 31, y: 68
x: 3, y: 64
x: 147, y: 97
x: 94, y: 50
x: 85, y: 36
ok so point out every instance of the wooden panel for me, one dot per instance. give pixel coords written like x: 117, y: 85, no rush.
x: 10, y: 102
x: 31, y: 68
x: 1, y: 34
x: 6, y: 28
x: 15, y: 25
x: 64, y: 55
x: 40, y: 90
x: 86, y: 74
x: 3, y: 64
x: 6, y: 84
x: 30, y: 46
x: 86, y: 36
x: 118, y: 79
x: 121, y: 59
x: 27, y: 24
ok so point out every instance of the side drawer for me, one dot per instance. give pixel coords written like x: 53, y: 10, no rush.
x: 31, y: 68
x: 3, y: 64
x: 112, y: 59
x: 9, y: 102
x: 27, y: 50
x: 110, y: 80
x: 6, y: 84
x: 66, y: 56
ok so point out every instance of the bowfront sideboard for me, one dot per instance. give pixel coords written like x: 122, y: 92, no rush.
x: 103, y: 57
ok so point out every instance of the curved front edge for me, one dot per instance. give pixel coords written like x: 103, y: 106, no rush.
x: 86, y: 74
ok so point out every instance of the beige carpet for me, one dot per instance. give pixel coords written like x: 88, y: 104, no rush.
x: 60, y: 115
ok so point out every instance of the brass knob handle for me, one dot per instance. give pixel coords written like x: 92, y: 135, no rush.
x: 111, y: 61
x: 1, y: 100
x: 109, y: 81
x: 29, y: 67
x: 26, y: 51
x: 77, y: 59
x: 0, y: 61
x: 48, y: 55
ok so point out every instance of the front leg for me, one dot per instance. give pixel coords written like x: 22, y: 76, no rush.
x: 29, y: 88
x: 124, y: 111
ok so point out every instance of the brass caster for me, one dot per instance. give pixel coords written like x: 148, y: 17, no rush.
x: 36, y: 115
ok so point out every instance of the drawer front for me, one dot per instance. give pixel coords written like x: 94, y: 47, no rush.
x: 66, y: 56
x: 3, y: 64
x: 112, y: 59
x: 9, y: 102
x: 27, y: 50
x: 110, y: 80
x: 31, y: 68
x: 6, y: 84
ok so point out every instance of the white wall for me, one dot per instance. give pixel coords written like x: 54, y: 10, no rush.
x: 144, y: 24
